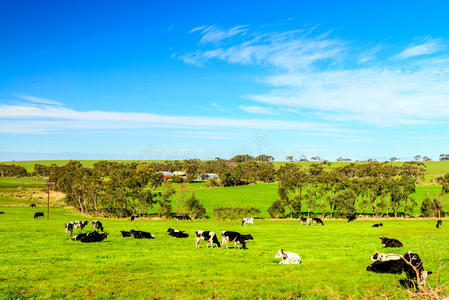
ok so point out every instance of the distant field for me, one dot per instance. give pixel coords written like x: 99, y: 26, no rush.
x: 39, y: 261
x: 433, y: 168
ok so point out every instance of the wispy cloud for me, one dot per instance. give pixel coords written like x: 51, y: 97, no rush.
x: 38, y: 100
x: 258, y: 110
x: 213, y: 34
x: 428, y: 47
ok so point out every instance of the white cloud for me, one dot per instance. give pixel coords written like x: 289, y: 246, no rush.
x: 38, y: 100
x: 213, y: 34
x: 258, y: 110
x: 428, y: 47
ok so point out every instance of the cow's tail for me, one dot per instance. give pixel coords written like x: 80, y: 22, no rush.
x: 215, y: 240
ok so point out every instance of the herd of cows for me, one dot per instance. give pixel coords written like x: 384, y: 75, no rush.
x: 409, y: 262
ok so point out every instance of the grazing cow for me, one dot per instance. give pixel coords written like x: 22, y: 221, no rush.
x: 439, y: 223
x: 396, y: 264
x: 208, y: 236
x: 93, y: 237
x: 38, y: 215
x: 248, y: 221
x: 33, y: 205
x: 236, y: 237
x: 79, y: 224
x: 304, y: 221
x: 391, y: 243
x: 80, y: 236
x: 177, y: 233
x: 132, y: 218
x: 125, y: 233
x: 288, y: 258
x: 377, y: 225
x: 97, y: 225
x: 141, y: 234
x: 69, y: 228
x: 183, y: 218
x: 2, y: 212
x: 352, y: 218
x: 317, y: 221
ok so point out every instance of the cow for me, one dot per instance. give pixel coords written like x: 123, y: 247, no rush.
x: 32, y: 205
x: 97, y: 225
x: 288, y: 258
x: 132, y: 218
x: 236, y: 237
x: 141, y: 234
x: 304, y: 221
x: 187, y: 218
x: 317, y: 221
x: 391, y: 243
x: 377, y: 225
x: 2, y: 212
x: 80, y: 236
x: 93, y: 237
x: 69, y: 228
x: 396, y: 264
x: 177, y: 233
x: 208, y: 236
x: 439, y: 223
x: 126, y: 233
x: 248, y: 221
x: 38, y: 215
x: 352, y: 218
x: 79, y: 224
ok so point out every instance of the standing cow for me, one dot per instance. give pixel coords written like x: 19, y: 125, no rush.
x: 208, y: 236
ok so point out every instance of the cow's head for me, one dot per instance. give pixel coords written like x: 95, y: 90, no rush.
x: 281, y: 254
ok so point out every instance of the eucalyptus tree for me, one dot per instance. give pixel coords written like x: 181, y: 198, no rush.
x: 293, y: 179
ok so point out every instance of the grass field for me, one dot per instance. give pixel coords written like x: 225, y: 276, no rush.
x: 39, y: 261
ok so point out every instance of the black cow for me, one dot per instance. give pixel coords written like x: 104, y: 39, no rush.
x: 177, y: 233
x: 93, y: 237
x: 352, y: 218
x: 2, y: 212
x: 207, y: 236
x: 125, y: 233
x: 236, y: 237
x: 183, y: 218
x: 141, y: 234
x: 439, y: 223
x: 303, y: 221
x: 80, y: 236
x: 33, y: 205
x: 132, y: 218
x: 377, y: 225
x: 391, y: 243
x: 38, y: 215
x: 317, y: 221
x: 97, y: 225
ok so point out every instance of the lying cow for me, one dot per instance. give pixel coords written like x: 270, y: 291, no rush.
x: 2, y: 212
x: 288, y: 258
x: 377, y: 225
x: 236, y: 237
x: 208, y: 236
x: 177, y: 233
x: 439, y: 223
x: 183, y: 218
x: 391, y: 243
x: 32, y: 205
x: 141, y: 234
x: 246, y: 221
x: 38, y: 215
x: 97, y: 225
x: 126, y: 233
x: 396, y: 264
x: 352, y: 218
x: 80, y: 236
x: 93, y: 237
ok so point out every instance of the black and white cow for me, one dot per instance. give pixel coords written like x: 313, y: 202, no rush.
x: 80, y: 224
x: 377, y: 225
x: 246, y: 221
x: 177, y: 233
x: 69, y: 226
x: 187, y: 218
x: 317, y: 221
x: 236, y: 237
x: 396, y: 264
x: 97, y: 225
x: 288, y: 258
x: 93, y: 237
x: 2, y: 212
x: 208, y: 236
x: 141, y: 234
x: 304, y: 221
x: 80, y: 236
x: 352, y: 218
x: 32, y: 205
x: 38, y: 215
x: 126, y: 233
x: 439, y: 223
x: 391, y: 243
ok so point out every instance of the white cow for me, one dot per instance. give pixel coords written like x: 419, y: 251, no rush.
x: 248, y: 221
x: 288, y: 258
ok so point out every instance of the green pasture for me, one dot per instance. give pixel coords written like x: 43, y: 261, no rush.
x: 38, y: 260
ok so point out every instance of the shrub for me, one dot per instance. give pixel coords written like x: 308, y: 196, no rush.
x: 212, y: 182
x: 195, y: 208
x: 428, y: 208
x: 235, y: 213
x: 277, y: 209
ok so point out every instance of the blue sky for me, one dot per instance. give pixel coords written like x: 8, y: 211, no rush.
x: 200, y: 79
